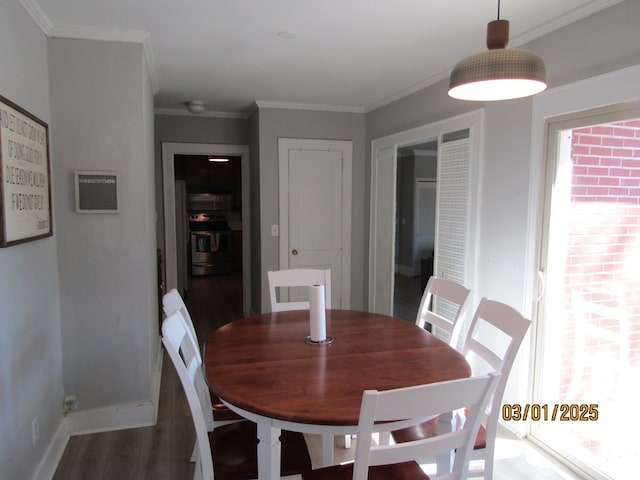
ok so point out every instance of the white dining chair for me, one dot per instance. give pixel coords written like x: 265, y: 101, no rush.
x: 297, y: 277
x: 492, y: 342
x: 442, y: 306
x: 172, y: 303
x: 481, y: 348
x: 401, y: 407
x: 229, y: 450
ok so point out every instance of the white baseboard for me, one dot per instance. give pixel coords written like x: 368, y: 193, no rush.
x: 49, y: 463
x: 116, y: 417
x: 122, y: 416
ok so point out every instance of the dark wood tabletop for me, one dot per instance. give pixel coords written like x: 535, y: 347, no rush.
x: 263, y: 365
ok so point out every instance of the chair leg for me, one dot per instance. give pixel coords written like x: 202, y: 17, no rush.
x: 327, y: 449
x: 482, y: 460
x: 488, y: 464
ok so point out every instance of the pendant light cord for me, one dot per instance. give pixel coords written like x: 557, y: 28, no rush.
x: 498, y: 9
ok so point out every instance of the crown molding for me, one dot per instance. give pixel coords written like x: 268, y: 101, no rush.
x: 562, y: 21
x: 304, y: 106
x: 185, y: 113
x: 416, y: 87
x: 32, y: 7
x: 81, y: 32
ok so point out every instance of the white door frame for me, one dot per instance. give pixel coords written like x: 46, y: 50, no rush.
x: 169, y: 149
x: 382, y: 252
x: 345, y: 146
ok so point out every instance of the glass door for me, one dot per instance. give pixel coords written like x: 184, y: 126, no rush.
x: 588, y: 336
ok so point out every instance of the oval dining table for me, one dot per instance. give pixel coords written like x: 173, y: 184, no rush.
x: 265, y: 368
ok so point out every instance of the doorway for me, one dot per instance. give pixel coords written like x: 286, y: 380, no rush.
x: 588, y: 316
x: 212, y: 206
x: 169, y: 151
x: 458, y: 159
x: 415, y: 225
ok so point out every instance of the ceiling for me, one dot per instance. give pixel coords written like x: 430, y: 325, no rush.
x: 347, y: 55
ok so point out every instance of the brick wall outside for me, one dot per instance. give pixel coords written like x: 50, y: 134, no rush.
x: 602, y: 284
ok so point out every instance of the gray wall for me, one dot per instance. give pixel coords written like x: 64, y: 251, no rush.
x: 101, y: 113
x: 30, y: 344
x: 277, y: 123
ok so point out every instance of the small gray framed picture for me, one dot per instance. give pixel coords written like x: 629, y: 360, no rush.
x: 97, y: 192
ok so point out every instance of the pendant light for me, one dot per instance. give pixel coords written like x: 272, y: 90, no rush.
x: 498, y: 73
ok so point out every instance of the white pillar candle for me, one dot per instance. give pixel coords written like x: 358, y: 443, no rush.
x: 317, y: 314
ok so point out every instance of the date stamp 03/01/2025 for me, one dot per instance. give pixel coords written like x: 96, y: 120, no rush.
x: 563, y: 412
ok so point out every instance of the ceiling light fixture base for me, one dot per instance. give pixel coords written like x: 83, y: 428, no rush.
x: 196, y: 106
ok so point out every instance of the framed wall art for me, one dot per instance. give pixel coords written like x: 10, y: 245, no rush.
x: 97, y: 192
x: 25, y: 180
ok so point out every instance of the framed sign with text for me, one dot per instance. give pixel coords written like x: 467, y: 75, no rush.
x: 97, y: 192
x: 25, y: 181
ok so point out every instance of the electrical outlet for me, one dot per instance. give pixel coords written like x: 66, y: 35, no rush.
x: 35, y: 429
x: 70, y: 404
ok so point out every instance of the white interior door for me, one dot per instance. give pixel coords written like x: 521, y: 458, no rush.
x: 315, y: 209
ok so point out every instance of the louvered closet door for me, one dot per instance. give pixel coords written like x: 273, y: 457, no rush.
x: 452, y: 217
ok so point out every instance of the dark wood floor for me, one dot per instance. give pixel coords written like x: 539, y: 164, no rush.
x: 160, y: 452
x: 214, y: 301
x: 407, y: 294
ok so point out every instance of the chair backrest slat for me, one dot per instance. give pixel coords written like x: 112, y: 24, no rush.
x: 172, y: 302
x: 442, y: 305
x: 297, y: 277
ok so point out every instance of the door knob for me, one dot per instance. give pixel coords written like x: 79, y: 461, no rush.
x: 294, y: 252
